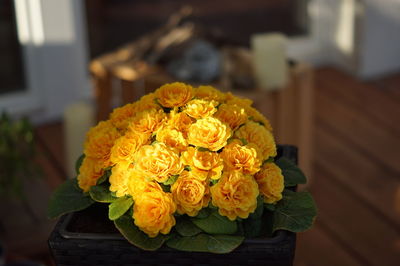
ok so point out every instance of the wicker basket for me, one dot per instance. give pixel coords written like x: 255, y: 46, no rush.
x: 69, y: 246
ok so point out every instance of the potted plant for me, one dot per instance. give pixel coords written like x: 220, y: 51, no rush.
x: 183, y: 170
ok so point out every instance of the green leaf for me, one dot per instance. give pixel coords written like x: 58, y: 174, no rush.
x: 185, y: 227
x: 67, y: 198
x: 292, y: 174
x: 252, y: 225
x: 269, y: 160
x: 203, y: 213
x: 135, y: 236
x: 171, y: 180
x: 206, y: 243
x: 188, y: 168
x: 104, y: 177
x: 78, y: 163
x: 295, y: 212
x: 216, y: 224
x: 259, y: 210
x: 214, y: 181
x: 119, y: 207
x: 269, y: 206
x: 202, y: 149
x: 101, y: 193
x: 244, y: 141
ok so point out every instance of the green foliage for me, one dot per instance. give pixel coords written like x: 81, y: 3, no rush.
x: 215, y: 224
x: 252, y: 226
x: 17, y: 150
x: 295, y: 212
x: 292, y: 174
x: 206, y: 243
x: 67, y: 198
x: 119, y: 207
x: 185, y: 227
x: 171, y: 180
x: 105, y: 176
x: 203, y: 213
x: 101, y: 193
x: 135, y: 236
x: 78, y: 163
x: 202, y: 149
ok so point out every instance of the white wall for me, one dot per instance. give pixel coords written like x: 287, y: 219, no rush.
x: 359, y: 36
x: 52, y: 34
x: 64, y: 57
x: 380, y: 50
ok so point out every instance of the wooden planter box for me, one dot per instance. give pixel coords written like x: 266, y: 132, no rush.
x: 89, y: 238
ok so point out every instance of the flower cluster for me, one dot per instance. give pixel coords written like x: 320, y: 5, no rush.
x: 181, y: 149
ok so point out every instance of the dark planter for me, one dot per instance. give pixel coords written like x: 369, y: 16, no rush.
x: 89, y: 238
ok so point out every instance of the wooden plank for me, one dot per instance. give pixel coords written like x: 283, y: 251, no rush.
x: 103, y: 91
x: 304, y: 78
x: 370, y: 94
x: 316, y: 247
x: 359, y: 174
x: 128, y: 91
x: 389, y: 85
x: 353, y: 223
x: 360, y: 131
x: 371, y: 101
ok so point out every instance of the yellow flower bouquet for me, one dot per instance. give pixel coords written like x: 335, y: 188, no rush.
x: 193, y: 168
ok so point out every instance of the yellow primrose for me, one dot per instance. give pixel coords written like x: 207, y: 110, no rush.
x: 209, y: 133
x: 235, y: 195
x: 174, y: 94
x: 257, y: 134
x: 270, y: 182
x: 158, y: 162
x: 199, y: 108
x: 238, y: 157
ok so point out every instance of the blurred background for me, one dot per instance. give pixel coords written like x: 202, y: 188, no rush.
x: 325, y: 72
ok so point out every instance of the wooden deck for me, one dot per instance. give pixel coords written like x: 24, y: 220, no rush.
x: 356, y: 181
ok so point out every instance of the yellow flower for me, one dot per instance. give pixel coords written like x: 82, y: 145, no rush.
x: 147, y: 121
x: 153, y: 212
x: 231, y: 114
x: 241, y: 158
x: 199, y: 108
x: 99, y: 141
x: 146, y: 102
x: 174, y: 94
x: 180, y: 121
x: 89, y: 172
x: 209, y: 133
x: 172, y: 138
x: 120, y: 175
x: 204, y: 164
x: 232, y: 99
x: 209, y: 93
x: 270, y: 182
x: 257, y: 134
x: 158, y: 162
x: 235, y: 195
x: 255, y: 115
x: 126, y: 146
x: 189, y: 194
x: 137, y: 185
x: 120, y: 116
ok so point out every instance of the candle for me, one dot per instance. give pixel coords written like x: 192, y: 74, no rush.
x: 269, y: 59
x: 78, y: 119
